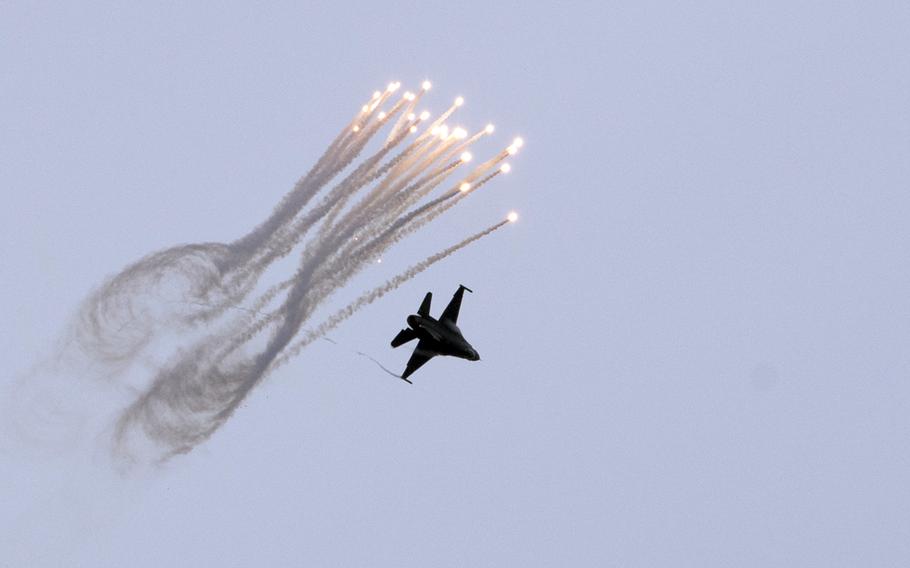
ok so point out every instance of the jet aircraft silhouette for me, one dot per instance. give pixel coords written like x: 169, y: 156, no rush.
x: 437, y: 337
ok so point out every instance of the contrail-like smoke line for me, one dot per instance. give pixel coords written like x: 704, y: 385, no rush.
x: 380, y: 291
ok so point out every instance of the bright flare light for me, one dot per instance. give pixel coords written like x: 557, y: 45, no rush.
x: 518, y: 142
x: 505, y: 168
x: 412, y: 116
x: 413, y: 129
x: 366, y: 108
x: 426, y: 86
x: 459, y: 101
x: 381, y: 115
x: 443, y: 132
x: 489, y: 129
x: 424, y: 115
x: 512, y: 217
x: 459, y: 133
x: 466, y: 157
x: 356, y: 128
x: 464, y: 187
x: 511, y: 150
x: 376, y: 95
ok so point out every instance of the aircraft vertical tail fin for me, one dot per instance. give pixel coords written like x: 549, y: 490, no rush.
x: 450, y: 314
x: 424, y: 309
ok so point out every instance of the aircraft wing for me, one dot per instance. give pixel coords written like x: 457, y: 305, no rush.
x: 451, y: 312
x: 420, y: 356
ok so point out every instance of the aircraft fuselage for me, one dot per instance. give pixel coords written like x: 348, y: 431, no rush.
x: 442, y: 337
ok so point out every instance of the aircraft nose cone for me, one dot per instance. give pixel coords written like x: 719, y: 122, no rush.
x: 475, y: 356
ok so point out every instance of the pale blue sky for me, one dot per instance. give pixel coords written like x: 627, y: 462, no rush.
x: 695, y: 341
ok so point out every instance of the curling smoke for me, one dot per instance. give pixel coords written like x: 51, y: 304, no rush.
x: 340, y: 229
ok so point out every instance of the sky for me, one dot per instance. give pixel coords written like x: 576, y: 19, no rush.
x: 694, y: 341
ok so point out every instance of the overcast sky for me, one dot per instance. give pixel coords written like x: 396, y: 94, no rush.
x: 695, y: 341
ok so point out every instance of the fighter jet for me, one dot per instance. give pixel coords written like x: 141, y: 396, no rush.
x: 437, y: 337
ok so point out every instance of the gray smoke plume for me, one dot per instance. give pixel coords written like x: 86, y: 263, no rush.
x: 338, y: 227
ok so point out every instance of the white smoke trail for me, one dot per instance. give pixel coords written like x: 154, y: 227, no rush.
x: 128, y: 299
x: 351, y: 258
x: 378, y: 292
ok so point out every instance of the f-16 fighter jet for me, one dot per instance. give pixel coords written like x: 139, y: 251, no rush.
x: 437, y: 337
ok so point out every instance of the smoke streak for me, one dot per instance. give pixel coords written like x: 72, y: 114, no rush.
x: 378, y: 292
x: 179, y: 289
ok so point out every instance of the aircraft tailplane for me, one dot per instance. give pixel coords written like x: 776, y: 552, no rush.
x: 403, y: 337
